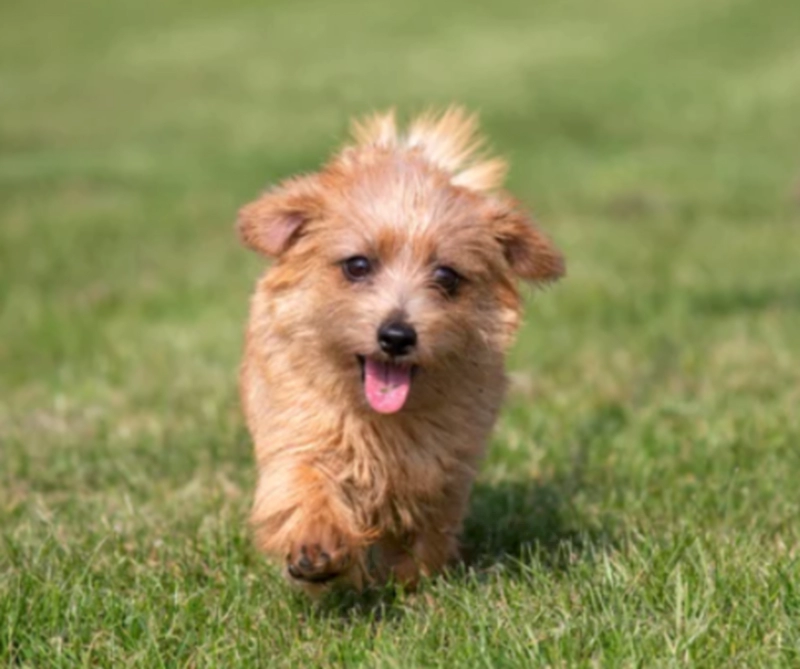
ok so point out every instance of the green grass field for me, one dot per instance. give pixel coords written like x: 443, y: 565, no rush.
x: 640, y: 503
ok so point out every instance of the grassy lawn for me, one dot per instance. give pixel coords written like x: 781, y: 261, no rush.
x: 640, y: 503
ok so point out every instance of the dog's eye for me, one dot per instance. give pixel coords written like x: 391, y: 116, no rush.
x: 357, y: 268
x: 447, y: 279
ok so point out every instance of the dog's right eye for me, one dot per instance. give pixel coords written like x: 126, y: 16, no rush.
x: 357, y: 268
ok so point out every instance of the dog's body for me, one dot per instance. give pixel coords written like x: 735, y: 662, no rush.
x: 374, y: 362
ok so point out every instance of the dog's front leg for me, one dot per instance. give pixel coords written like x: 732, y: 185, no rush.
x: 298, y: 517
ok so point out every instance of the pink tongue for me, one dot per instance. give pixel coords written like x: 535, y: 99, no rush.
x: 386, y: 385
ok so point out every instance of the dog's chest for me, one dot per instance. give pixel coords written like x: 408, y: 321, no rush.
x: 399, y: 479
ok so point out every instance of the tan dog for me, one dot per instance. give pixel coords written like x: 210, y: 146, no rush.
x: 373, y: 369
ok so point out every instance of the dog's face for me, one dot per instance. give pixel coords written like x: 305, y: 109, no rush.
x: 395, y: 273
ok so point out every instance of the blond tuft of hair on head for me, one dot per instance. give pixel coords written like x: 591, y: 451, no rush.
x: 449, y: 140
x: 378, y: 130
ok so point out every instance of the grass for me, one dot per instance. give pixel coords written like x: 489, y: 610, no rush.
x: 639, y: 506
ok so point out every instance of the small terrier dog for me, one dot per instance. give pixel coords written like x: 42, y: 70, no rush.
x: 373, y: 368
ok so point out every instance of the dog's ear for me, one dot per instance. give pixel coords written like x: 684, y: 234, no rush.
x: 271, y: 223
x: 529, y: 252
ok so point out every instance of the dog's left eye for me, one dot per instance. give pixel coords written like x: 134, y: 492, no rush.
x: 447, y: 279
x: 357, y: 268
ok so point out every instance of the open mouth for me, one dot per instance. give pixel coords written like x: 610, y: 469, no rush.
x: 386, y: 383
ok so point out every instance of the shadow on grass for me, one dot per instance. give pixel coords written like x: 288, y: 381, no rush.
x: 514, y: 522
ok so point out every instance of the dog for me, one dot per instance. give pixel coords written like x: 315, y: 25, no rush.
x: 373, y: 367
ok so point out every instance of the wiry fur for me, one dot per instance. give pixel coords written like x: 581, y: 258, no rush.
x: 344, y: 491
x: 450, y: 142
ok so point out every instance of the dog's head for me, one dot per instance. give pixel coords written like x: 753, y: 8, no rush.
x: 399, y: 259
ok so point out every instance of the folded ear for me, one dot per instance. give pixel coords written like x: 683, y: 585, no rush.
x: 271, y: 223
x: 529, y: 252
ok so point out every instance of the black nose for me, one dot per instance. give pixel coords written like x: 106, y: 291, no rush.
x: 397, y: 338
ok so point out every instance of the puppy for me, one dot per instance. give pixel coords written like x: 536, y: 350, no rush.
x: 373, y: 367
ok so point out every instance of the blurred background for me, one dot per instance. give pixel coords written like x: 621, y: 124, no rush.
x: 656, y: 387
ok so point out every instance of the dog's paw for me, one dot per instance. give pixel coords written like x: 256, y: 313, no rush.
x: 318, y: 560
